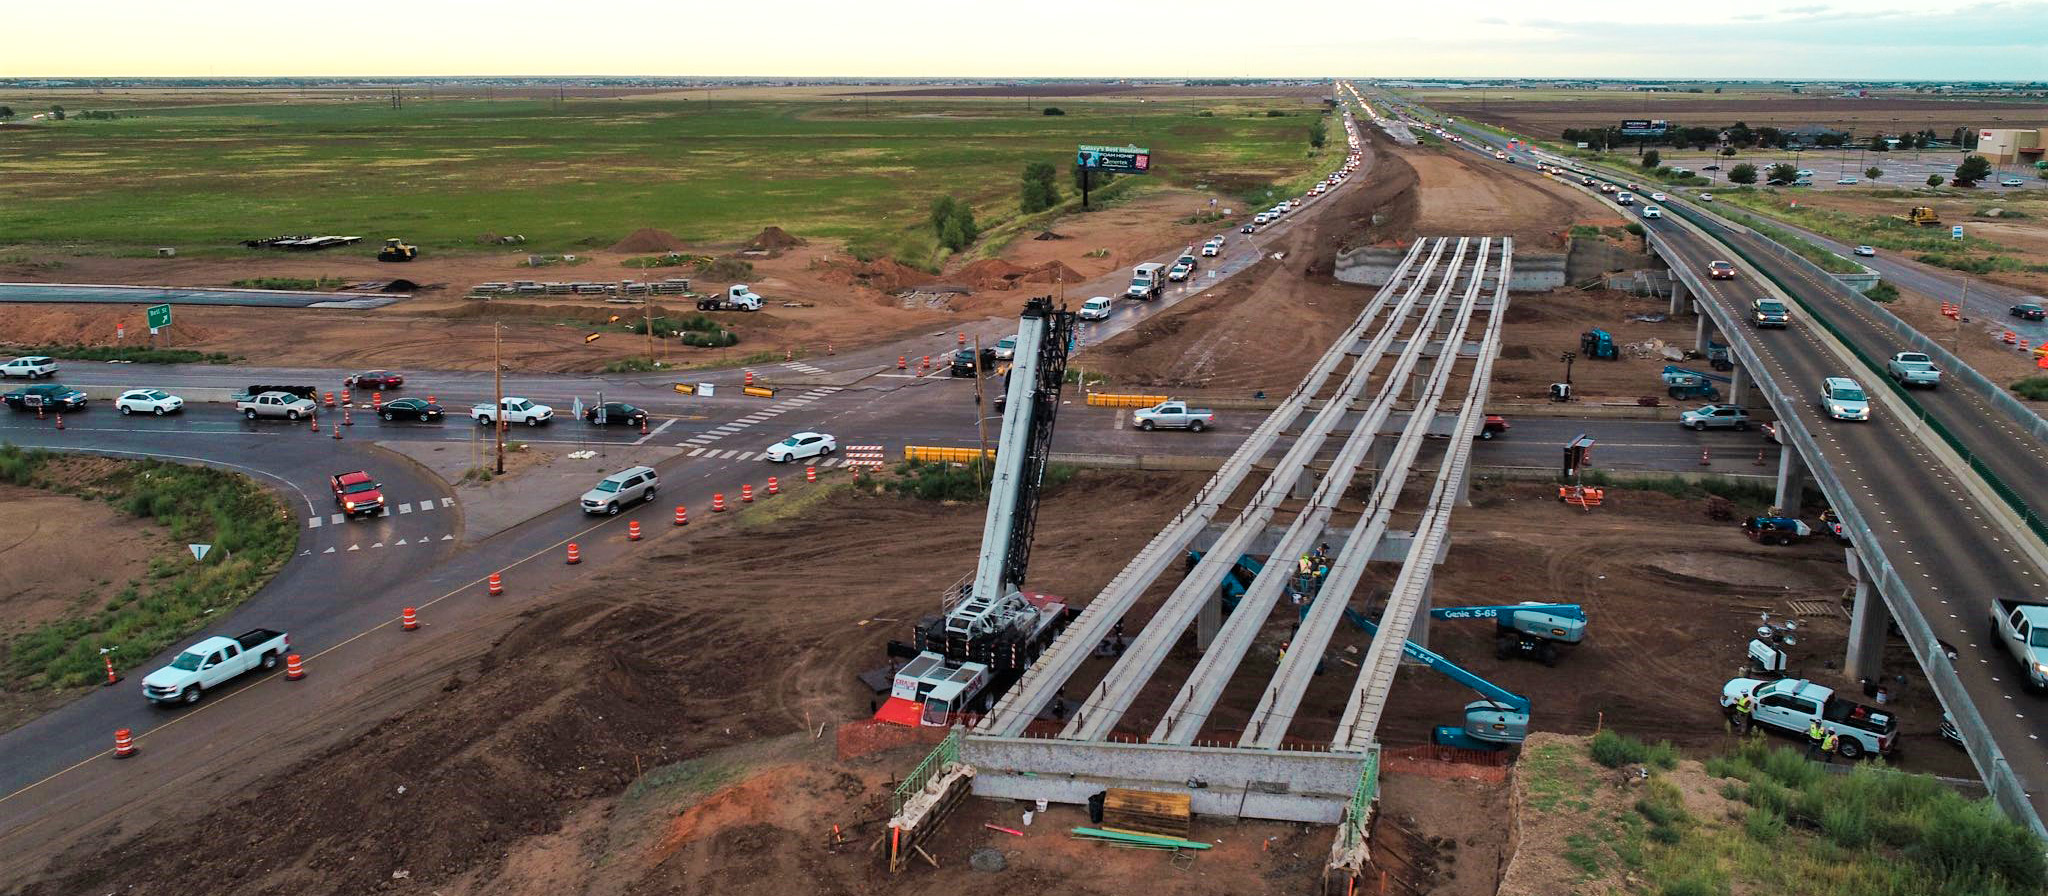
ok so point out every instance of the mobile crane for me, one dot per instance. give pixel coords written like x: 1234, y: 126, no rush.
x: 992, y: 630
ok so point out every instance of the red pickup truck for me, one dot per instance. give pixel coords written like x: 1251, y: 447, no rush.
x: 357, y: 494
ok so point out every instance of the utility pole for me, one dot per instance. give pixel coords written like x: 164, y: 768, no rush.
x: 650, y: 323
x: 980, y: 414
x: 498, y: 391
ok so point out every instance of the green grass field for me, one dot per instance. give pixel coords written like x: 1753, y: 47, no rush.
x: 443, y: 173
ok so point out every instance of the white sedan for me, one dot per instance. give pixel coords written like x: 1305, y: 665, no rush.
x: 800, y: 446
x: 1657, y: 197
x: 154, y: 401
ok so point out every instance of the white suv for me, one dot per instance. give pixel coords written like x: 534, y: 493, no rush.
x: 30, y: 367
x: 1842, y: 399
x: 621, y: 488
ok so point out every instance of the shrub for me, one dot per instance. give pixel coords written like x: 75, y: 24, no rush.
x: 1616, y: 750
x: 713, y: 339
x: 1763, y: 825
x: 1882, y: 292
x: 1054, y: 110
x: 2033, y: 388
x: 1935, y: 180
x: 737, y: 269
x: 1650, y: 160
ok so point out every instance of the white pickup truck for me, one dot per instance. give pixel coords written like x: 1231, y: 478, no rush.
x: 2022, y: 627
x: 214, y: 662
x: 276, y: 404
x: 517, y: 410
x: 1173, y: 415
x: 1790, y: 705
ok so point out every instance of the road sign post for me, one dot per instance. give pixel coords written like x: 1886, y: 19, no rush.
x: 1956, y: 232
x: 159, y: 316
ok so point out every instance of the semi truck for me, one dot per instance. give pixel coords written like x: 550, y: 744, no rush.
x: 738, y: 297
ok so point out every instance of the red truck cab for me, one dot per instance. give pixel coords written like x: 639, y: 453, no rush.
x: 357, y: 494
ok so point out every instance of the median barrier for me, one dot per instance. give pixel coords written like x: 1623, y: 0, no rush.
x: 1113, y: 400
x: 945, y: 455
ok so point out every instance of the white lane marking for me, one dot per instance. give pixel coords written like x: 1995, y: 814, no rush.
x: 405, y: 508
x: 355, y: 547
x: 314, y: 522
x: 695, y: 451
x: 447, y: 502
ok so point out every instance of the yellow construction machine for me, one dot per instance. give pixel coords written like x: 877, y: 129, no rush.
x: 1921, y: 215
x: 398, y: 250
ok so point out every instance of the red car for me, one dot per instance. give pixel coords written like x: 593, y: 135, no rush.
x: 1720, y: 270
x: 357, y: 494
x: 1495, y: 425
x: 379, y: 380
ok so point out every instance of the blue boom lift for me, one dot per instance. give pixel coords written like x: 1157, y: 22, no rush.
x: 1683, y: 383
x: 1530, y: 630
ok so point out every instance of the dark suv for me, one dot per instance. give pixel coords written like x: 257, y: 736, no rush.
x: 54, y: 396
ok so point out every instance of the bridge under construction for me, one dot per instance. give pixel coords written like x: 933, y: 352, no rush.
x: 1340, y: 462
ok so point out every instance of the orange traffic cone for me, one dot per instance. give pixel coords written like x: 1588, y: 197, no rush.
x: 747, y: 494
x: 750, y: 377
x: 410, y: 619
x: 682, y: 516
x: 902, y: 362
x: 293, y: 668
x: 718, y: 502
x: 328, y: 399
x: 1704, y: 460
x: 633, y: 531
x: 124, y: 743
x: 773, y: 488
x: 810, y: 474
x: 337, y: 431
x: 575, y: 556
x: 497, y: 584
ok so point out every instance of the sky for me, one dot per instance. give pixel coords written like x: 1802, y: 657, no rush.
x: 1875, y: 40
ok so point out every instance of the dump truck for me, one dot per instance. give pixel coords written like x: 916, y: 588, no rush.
x: 1922, y: 215
x: 738, y: 297
x: 396, y: 249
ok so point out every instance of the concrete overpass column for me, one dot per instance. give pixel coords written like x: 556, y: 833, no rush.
x: 1867, y: 626
x: 1699, y: 328
x: 1209, y: 621
x: 1678, y: 296
x: 1738, y: 386
x: 1791, y: 480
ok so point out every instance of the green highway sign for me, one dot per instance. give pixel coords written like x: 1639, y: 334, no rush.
x: 1115, y: 159
x: 159, y: 316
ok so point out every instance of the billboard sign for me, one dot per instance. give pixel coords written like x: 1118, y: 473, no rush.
x: 1644, y: 127
x: 1115, y: 159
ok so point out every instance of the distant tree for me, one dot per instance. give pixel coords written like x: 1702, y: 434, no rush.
x: 1972, y: 170
x: 1934, y: 180
x: 1276, y: 113
x: 1727, y: 150
x: 1873, y: 172
x: 1769, y: 136
x: 1319, y: 132
x: 1717, y: 90
x: 942, y: 211
x: 57, y: 112
x: 6, y: 112
x: 953, y: 223
x: 1877, y: 144
x: 1783, y: 171
x: 1744, y: 173
x: 1650, y: 159
x: 1831, y: 139
x: 1055, y: 110
x: 1040, y: 189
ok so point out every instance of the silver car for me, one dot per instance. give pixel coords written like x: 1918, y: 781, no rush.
x: 619, y: 489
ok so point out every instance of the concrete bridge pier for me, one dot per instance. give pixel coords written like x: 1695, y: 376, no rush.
x: 1679, y: 297
x: 1867, y: 626
x: 1791, y: 480
x: 1700, y: 329
x: 1738, y: 386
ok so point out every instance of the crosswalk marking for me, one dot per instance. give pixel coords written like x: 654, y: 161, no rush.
x: 337, y: 519
x: 314, y: 522
x: 695, y: 451
x: 447, y: 502
x: 405, y: 508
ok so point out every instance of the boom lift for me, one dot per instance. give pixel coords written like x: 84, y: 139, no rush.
x: 1531, y: 630
x: 991, y: 630
x: 1495, y: 723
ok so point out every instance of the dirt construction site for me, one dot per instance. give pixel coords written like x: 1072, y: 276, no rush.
x: 694, y: 723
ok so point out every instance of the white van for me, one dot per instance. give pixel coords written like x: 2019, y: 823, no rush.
x: 1147, y: 281
x: 1095, y: 309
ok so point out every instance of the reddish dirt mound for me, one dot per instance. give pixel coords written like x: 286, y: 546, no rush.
x: 884, y: 274
x: 774, y: 239
x: 995, y: 273
x: 1053, y: 272
x: 648, y: 239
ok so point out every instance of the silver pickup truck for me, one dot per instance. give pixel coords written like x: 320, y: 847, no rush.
x: 1173, y: 415
x: 1913, y: 369
x: 275, y: 404
x: 2022, y: 626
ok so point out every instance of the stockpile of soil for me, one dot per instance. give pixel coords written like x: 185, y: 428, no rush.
x: 648, y: 239
x: 995, y: 273
x: 775, y: 239
x: 884, y: 274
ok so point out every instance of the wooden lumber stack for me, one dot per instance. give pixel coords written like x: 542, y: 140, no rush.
x: 1146, y: 812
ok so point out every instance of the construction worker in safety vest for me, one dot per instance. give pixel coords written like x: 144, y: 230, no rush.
x: 1827, y: 747
x: 1305, y: 564
x: 1741, y: 713
x: 1815, y: 736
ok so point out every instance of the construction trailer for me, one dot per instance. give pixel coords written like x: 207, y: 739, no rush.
x: 991, y: 630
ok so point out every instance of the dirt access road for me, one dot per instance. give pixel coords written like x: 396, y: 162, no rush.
x: 839, y: 303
